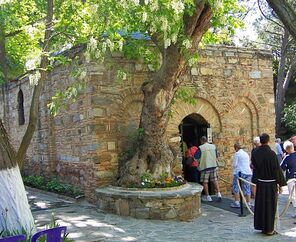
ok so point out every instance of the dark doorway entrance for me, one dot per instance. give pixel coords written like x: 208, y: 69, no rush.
x: 191, y: 129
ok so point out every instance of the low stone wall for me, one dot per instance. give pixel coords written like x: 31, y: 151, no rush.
x: 178, y: 203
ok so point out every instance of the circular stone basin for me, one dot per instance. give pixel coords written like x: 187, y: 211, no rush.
x: 173, y: 203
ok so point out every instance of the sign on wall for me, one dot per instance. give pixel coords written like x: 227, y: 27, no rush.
x: 210, y: 135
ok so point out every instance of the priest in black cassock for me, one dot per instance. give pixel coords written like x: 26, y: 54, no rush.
x: 269, y: 181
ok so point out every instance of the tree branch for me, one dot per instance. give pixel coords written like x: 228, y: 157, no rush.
x: 34, y: 108
x: 18, y: 31
x: 285, y: 13
x: 202, y: 25
x: 191, y: 21
x: 265, y: 16
x: 290, y: 73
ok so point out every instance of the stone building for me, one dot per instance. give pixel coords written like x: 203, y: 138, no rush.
x: 83, y: 144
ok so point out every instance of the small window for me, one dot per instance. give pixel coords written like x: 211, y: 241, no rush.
x: 21, y: 111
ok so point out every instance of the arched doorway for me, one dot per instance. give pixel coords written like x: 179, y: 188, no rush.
x: 191, y: 129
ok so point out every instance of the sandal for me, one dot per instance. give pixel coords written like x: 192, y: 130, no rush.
x: 271, y: 233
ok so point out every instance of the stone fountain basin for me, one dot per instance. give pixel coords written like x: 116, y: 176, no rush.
x: 174, y: 203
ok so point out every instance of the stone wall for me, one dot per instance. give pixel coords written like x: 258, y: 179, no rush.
x: 178, y: 203
x: 84, y: 142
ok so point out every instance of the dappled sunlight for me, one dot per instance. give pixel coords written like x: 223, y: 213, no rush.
x: 291, y: 232
x: 75, y: 235
x: 85, y: 223
x: 119, y: 230
x: 129, y: 239
x: 103, y: 234
x: 42, y: 204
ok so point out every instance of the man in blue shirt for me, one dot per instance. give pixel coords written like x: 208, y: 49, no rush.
x: 289, y: 165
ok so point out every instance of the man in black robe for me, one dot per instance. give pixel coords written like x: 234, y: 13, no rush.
x: 270, y: 179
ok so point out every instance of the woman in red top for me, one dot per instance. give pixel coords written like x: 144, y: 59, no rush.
x: 191, y: 174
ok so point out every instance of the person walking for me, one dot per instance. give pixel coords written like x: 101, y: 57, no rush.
x: 191, y: 174
x: 269, y: 180
x: 289, y: 165
x: 256, y: 144
x: 241, y: 167
x: 208, y: 166
x: 278, y: 150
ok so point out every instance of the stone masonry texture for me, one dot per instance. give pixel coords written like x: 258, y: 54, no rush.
x: 83, y: 144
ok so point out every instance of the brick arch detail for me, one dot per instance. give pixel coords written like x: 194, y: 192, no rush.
x: 127, y: 97
x: 203, y: 107
x: 248, y: 98
x: 252, y: 104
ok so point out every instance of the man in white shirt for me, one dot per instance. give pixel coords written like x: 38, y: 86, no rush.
x: 241, y: 165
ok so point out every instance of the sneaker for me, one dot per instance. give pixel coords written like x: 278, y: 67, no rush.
x: 235, y: 205
x: 219, y: 199
x: 206, y: 199
x: 293, y: 216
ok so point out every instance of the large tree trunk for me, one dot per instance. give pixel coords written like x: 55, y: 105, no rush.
x: 285, y: 13
x: 279, y: 103
x: 4, y: 70
x: 283, y: 79
x: 14, y: 208
x: 154, y: 153
x: 15, y: 213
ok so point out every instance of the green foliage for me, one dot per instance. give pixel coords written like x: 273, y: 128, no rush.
x: 185, y: 94
x: 163, y: 19
x: 53, y: 224
x: 105, y: 26
x: 53, y: 185
x: 6, y: 233
x: 163, y: 176
x: 289, y: 117
x: 35, y: 181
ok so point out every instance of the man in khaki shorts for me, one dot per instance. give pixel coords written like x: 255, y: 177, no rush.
x: 208, y: 166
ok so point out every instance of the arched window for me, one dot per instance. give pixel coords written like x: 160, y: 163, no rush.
x: 21, y: 111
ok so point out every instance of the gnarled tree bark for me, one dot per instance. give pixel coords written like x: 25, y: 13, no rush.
x: 15, y: 214
x: 154, y: 153
x: 285, y: 13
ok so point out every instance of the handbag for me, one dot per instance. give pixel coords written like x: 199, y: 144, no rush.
x: 189, y: 161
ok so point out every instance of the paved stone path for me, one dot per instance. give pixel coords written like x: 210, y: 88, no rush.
x: 86, y: 223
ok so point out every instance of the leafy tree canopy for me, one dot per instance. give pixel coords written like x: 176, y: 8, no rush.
x: 140, y: 29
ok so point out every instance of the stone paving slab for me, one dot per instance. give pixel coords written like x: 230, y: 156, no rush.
x: 86, y: 223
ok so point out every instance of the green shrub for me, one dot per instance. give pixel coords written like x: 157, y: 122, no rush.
x: 35, y: 181
x: 53, y: 185
x: 289, y: 117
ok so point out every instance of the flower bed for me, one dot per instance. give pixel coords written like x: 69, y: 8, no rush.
x: 148, y: 181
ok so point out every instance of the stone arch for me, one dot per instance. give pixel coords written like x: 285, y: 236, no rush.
x: 180, y: 110
x: 203, y: 107
x: 127, y: 97
x: 253, y: 106
x: 129, y: 114
x: 241, y: 123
